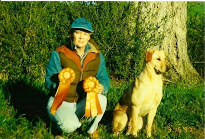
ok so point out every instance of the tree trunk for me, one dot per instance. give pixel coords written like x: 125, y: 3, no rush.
x: 162, y: 25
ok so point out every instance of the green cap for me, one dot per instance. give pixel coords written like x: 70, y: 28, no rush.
x: 82, y: 23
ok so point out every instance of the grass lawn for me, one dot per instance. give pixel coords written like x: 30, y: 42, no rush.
x: 23, y: 114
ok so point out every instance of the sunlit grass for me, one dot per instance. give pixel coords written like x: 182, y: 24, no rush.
x: 180, y: 115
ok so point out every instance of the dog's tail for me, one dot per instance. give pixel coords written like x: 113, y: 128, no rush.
x: 119, y: 121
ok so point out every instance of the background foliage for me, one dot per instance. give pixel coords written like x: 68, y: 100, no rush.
x: 195, y: 35
x: 29, y: 31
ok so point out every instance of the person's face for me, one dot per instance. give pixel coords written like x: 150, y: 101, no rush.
x: 81, y: 38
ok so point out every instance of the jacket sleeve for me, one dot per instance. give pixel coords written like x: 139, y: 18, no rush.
x: 52, y: 70
x: 102, y: 75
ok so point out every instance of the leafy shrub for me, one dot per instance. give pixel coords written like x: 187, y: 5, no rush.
x: 195, y: 35
x: 31, y: 30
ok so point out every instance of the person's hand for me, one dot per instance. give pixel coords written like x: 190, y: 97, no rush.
x: 100, y: 89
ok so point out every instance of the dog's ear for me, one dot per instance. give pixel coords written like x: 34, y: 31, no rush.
x: 149, y: 55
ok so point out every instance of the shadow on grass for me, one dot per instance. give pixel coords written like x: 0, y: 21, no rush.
x: 107, y: 120
x: 29, y: 101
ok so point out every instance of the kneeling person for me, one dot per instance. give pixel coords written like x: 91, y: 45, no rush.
x: 82, y: 55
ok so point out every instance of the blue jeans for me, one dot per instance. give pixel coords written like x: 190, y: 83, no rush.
x: 68, y: 115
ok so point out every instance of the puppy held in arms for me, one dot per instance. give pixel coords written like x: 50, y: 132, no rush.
x: 142, y: 97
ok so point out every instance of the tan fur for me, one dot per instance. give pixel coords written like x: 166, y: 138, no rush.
x: 142, y: 97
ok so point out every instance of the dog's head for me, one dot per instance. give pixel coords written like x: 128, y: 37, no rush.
x: 157, y: 59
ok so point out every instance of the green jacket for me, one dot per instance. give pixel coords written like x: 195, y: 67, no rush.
x: 92, y: 64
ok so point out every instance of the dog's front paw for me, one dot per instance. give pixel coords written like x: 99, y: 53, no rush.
x: 128, y: 133
x: 134, y: 132
x: 129, y: 130
x: 148, y: 134
x: 116, y: 134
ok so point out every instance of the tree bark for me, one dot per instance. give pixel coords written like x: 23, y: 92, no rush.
x: 162, y: 25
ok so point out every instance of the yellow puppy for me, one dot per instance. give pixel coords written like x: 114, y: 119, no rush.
x: 142, y: 97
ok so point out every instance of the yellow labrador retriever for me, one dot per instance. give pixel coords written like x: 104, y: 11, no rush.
x: 142, y: 97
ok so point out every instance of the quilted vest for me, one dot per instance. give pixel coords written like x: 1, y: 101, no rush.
x: 89, y: 67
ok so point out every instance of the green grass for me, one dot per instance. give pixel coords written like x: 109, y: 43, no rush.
x: 15, y: 125
x: 180, y: 114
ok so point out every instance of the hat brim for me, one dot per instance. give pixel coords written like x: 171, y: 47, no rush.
x: 83, y: 29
